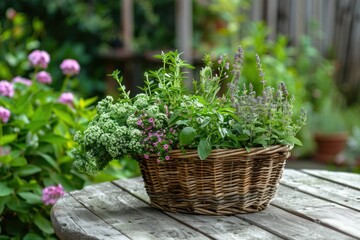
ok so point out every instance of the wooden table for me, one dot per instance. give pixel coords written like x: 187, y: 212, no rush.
x: 310, y: 204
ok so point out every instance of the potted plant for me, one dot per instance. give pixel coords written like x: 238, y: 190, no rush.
x: 198, y: 152
x: 330, y: 134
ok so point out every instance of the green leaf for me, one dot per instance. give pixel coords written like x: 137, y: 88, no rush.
x: 28, y: 170
x: 18, y: 162
x: 43, y: 224
x: 242, y: 137
x: 64, y: 116
x: 89, y: 101
x: 5, y: 190
x: 6, y: 159
x: 293, y: 139
x: 30, y: 198
x: 37, y: 124
x: 187, y: 135
x: 53, y: 138
x: 3, y: 201
x: 6, y: 139
x: 49, y: 160
x: 204, y: 148
x: 43, y: 113
x: 18, y: 206
x: 32, y: 236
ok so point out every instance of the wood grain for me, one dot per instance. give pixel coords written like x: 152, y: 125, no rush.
x: 218, y: 227
x: 71, y: 220
x: 324, y: 189
x: 290, y: 226
x: 131, y: 216
x: 329, y: 214
x: 310, y: 204
x: 344, y: 178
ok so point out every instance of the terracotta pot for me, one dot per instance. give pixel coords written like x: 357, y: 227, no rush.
x: 330, y: 146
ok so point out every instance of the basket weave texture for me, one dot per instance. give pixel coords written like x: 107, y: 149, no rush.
x: 229, y: 181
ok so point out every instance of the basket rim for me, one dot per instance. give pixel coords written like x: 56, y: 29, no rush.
x: 228, y: 152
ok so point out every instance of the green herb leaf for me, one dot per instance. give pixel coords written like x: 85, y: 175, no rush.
x: 28, y: 170
x: 43, y: 224
x: 204, y: 148
x: 30, y: 198
x: 18, y: 162
x: 3, y: 201
x: 53, y: 138
x: 32, y: 236
x: 5, y: 190
x: 293, y: 139
x: 187, y: 135
x: 6, y: 139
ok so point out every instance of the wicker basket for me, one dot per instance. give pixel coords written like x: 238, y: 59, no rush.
x: 229, y: 181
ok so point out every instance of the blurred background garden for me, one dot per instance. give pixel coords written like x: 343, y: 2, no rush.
x: 311, y: 45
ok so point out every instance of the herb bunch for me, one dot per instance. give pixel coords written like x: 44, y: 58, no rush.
x: 167, y: 116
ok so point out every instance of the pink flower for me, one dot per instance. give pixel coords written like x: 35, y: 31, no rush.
x: 6, y: 89
x: 167, y: 157
x: 4, y: 114
x: 21, y: 80
x: 10, y: 13
x: 70, y: 67
x: 51, y: 194
x: 166, y: 146
x: 151, y: 120
x: 44, y: 77
x: 66, y: 98
x: 146, y: 156
x: 39, y: 58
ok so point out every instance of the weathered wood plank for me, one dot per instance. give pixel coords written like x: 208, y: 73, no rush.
x: 322, y: 188
x: 275, y: 220
x: 131, y: 216
x: 346, y: 179
x: 329, y: 214
x: 218, y: 227
x: 290, y: 226
x: 71, y: 220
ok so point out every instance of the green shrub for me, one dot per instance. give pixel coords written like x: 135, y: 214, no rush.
x: 34, y: 153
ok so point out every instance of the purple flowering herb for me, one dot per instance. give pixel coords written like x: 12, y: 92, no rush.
x: 39, y: 58
x: 6, y: 89
x: 220, y: 59
x: 66, y: 98
x: 43, y: 77
x: 21, y: 80
x: 227, y: 66
x: 70, y: 67
x: 4, y: 114
x: 51, y: 194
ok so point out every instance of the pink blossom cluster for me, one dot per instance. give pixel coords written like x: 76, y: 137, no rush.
x: 21, y: 80
x: 66, y: 98
x: 39, y: 58
x: 4, y: 114
x: 156, y: 141
x: 6, y: 89
x: 44, y: 77
x: 70, y: 67
x: 51, y: 194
